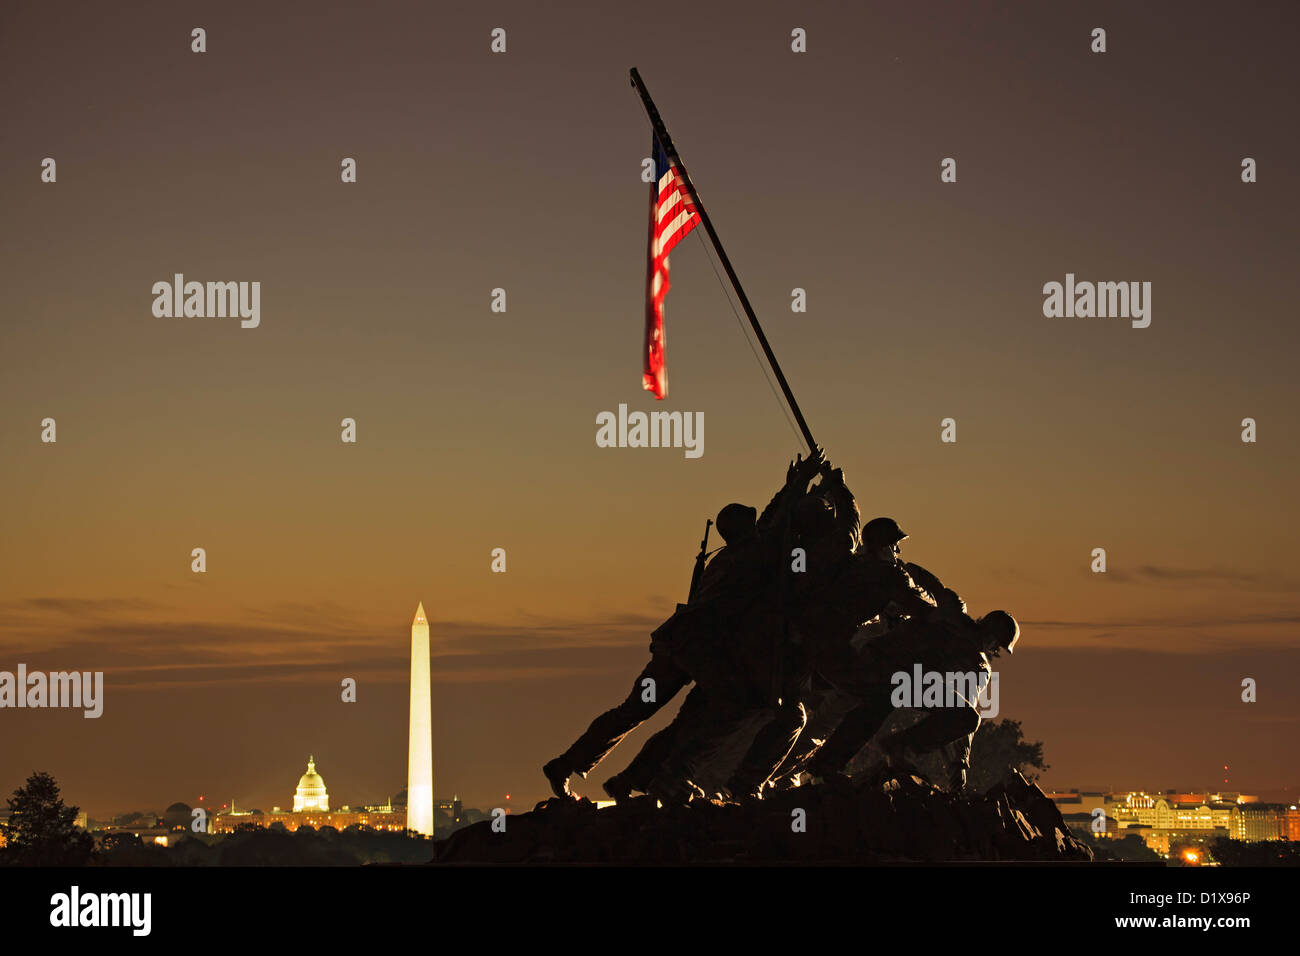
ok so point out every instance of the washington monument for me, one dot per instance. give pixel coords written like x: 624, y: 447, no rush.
x: 419, y: 763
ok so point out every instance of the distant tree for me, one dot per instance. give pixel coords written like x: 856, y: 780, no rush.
x: 127, y: 849
x: 1261, y: 853
x: 192, y: 851
x: 998, y: 749
x: 1131, y: 848
x: 259, y: 847
x: 41, y: 831
x: 115, y: 842
x: 256, y: 846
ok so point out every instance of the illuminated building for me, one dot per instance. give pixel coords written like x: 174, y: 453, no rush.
x: 419, y: 764
x: 1175, y: 811
x: 311, y: 809
x: 1169, y: 818
x: 1265, y: 821
x: 311, y: 795
x: 377, y: 818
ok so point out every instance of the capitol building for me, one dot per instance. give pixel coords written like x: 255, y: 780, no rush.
x: 311, y: 795
x: 311, y: 808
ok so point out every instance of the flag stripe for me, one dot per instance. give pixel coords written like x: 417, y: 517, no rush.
x: 672, y: 216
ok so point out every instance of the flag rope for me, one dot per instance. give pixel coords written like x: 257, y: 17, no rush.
x: 789, y: 420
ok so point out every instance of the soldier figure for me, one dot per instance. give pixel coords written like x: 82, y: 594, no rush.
x: 766, y: 635
x: 964, y: 650
x: 939, y: 646
x: 879, y: 590
x: 826, y: 529
x: 686, y: 645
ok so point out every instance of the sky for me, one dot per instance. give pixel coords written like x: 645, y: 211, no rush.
x: 476, y: 429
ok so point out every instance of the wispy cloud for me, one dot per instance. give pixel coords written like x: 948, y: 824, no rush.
x: 1189, y: 633
x: 149, y: 645
x: 1170, y: 576
x: 1200, y: 621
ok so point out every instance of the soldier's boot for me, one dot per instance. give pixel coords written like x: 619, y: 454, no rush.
x: 674, y: 791
x: 835, y: 782
x: 957, y: 780
x: 740, y: 793
x: 619, y: 788
x: 557, y: 772
x: 769, y: 749
x: 784, y: 782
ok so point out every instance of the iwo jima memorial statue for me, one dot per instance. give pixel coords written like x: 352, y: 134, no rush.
x: 803, y: 635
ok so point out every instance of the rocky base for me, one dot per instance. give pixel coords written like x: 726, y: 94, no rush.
x: 892, y: 820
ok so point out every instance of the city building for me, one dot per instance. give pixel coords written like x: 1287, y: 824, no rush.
x: 311, y: 809
x: 311, y: 796
x: 1174, y: 818
x: 1265, y: 821
x: 378, y: 818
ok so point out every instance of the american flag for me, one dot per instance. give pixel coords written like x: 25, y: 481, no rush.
x: 672, y: 216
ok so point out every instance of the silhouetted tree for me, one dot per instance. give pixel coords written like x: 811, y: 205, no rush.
x: 127, y: 849
x: 1130, y: 847
x: 1262, y: 853
x: 999, y: 748
x: 41, y: 831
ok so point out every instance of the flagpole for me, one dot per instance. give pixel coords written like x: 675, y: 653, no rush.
x: 666, y: 141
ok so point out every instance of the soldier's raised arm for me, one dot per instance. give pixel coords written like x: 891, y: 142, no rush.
x: 797, y: 476
x: 949, y: 601
x: 913, y: 599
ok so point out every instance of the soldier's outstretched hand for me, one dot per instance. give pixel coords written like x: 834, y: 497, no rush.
x: 832, y: 474
x: 803, y: 469
x: 814, y: 462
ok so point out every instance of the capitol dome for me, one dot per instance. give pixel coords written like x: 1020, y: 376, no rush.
x: 311, y: 794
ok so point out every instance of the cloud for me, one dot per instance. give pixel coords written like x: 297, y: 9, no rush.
x: 147, y: 645
x: 1199, y: 621
x: 1191, y: 632
x: 1187, y: 577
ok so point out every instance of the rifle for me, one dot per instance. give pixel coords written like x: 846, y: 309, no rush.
x: 699, y: 562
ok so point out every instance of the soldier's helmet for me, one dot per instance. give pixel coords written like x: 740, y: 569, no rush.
x: 1002, y: 628
x: 736, y: 521
x: 881, y: 533
x: 813, y: 516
